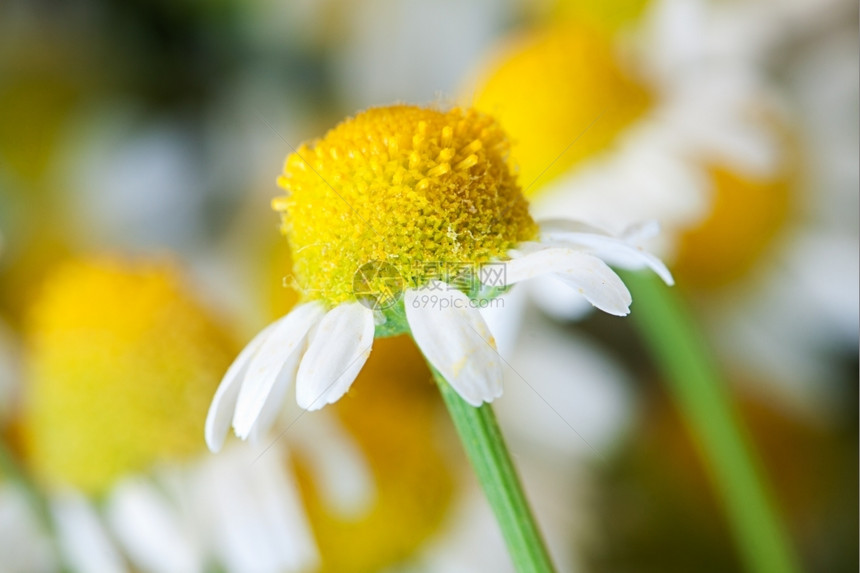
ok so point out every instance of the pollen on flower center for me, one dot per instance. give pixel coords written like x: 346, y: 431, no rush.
x: 410, y: 187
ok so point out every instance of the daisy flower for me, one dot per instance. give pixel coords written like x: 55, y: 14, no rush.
x: 694, y: 136
x: 667, y: 122
x: 811, y: 276
x: 405, y: 219
x: 120, y: 363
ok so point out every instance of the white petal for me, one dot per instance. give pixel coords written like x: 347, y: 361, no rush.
x: 275, y: 361
x: 639, y: 232
x: 82, y: 537
x: 224, y: 403
x: 668, y: 187
x: 556, y: 299
x: 150, y: 529
x: 551, y: 226
x: 614, y: 251
x: 504, y: 317
x: 456, y: 341
x: 338, y: 349
x: 254, y: 514
x: 589, y: 391
x: 586, y: 273
x: 634, y: 233
x: 277, y: 402
x: 24, y: 543
x: 283, y: 515
x: 239, y: 539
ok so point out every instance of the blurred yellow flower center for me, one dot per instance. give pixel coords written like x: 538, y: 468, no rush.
x: 121, y: 366
x: 402, y: 185
x: 562, y: 96
x: 746, y: 214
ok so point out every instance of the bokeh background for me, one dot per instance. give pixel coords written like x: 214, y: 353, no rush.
x: 154, y: 131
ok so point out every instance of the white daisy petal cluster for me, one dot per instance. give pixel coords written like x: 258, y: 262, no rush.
x: 242, y: 510
x: 321, y: 352
x: 577, y: 254
x: 244, y: 515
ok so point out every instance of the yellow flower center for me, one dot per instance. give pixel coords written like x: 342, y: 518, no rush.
x: 562, y: 96
x: 389, y: 412
x: 406, y: 186
x: 121, y: 366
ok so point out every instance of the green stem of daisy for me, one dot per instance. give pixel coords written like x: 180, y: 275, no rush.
x: 704, y: 401
x: 486, y: 449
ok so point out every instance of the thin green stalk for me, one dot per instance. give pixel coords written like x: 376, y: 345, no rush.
x: 486, y: 449
x: 703, y: 399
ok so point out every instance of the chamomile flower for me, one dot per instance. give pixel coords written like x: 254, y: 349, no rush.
x: 671, y: 121
x: 743, y: 192
x: 120, y: 364
x: 810, y: 277
x: 395, y: 219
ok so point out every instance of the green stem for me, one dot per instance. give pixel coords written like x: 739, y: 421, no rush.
x: 703, y: 399
x: 486, y: 449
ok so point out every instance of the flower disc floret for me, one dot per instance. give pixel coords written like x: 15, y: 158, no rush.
x: 419, y: 189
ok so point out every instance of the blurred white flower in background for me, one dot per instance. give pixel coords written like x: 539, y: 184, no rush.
x: 25, y: 547
x: 744, y: 156
x: 240, y: 512
x: 132, y: 182
x: 472, y: 542
x: 566, y: 398
x: 803, y: 305
x: 616, y: 128
x: 416, y: 52
x: 710, y: 102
